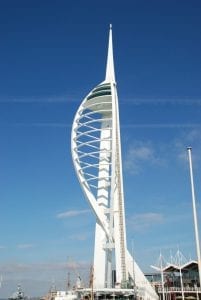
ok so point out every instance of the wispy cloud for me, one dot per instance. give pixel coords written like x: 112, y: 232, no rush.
x: 138, y: 153
x: 72, y: 213
x: 45, y: 99
x: 22, y: 267
x: 190, y: 138
x: 187, y: 101
x: 2, y: 247
x: 79, y: 237
x: 163, y: 125
x: 123, y: 125
x: 142, y: 222
x: 37, y: 124
x: 25, y: 246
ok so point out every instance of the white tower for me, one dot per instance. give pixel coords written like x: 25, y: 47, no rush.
x: 96, y: 152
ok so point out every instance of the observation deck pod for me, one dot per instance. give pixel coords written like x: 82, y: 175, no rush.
x: 100, y: 100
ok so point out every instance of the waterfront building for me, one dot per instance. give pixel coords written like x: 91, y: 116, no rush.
x: 180, y: 281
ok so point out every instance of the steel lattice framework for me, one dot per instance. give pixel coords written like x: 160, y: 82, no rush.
x: 96, y: 152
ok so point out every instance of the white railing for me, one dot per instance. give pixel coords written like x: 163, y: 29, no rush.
x: 186, y: 289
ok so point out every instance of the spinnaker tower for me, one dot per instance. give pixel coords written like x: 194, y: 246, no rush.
x: 96, y: 153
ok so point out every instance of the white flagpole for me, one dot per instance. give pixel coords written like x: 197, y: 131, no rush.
x: 195, y: 214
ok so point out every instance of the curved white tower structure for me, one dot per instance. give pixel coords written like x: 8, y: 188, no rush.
x: 96, y: 152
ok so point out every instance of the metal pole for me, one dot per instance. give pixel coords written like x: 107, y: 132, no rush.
x: 195, y: 214
x: 179, y: 261
x: 181, y: 282
x: 162, y: 276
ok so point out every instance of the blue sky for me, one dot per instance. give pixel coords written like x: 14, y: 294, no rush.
x: 52, y: 53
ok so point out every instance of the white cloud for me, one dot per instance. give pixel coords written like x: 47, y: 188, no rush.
x: 72, y: 213
x: 37, y: 267
x: 190, y: 138
x: 193, y: 135
x: 195, y: 126
x: 79, y: 237
x: 142, y: 222
x: 37, y: 124
x: 164, y: 101
x: 137, y: 154
x: 25, y: 246
x: 187, y: 101
x: 123, y: 125
x: 144, y: 153
x: 46, y: 99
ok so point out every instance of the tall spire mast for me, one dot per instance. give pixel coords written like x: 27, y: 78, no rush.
x: 110, y: 75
